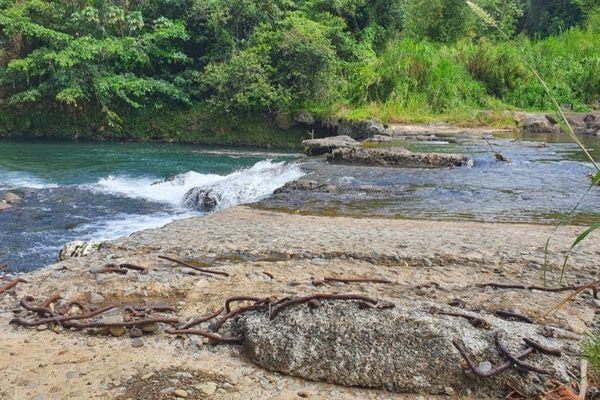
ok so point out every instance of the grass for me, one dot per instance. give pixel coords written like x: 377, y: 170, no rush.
x: 591, y: 351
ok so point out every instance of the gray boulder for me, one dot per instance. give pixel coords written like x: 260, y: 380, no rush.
x: 202, y: 199
x: 397, y: 157
x: 362, y: 129
x: 403, y: 349
x: 78, y: 248
x: 585, y: 123
x: 316, y: 147
x: 537, y: 123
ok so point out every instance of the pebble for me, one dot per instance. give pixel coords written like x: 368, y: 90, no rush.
x: 189, y: 271
x: 303, y: 394
x: 148, y: 376
x: 137, y: 342
x: 485, y: 366
x: 42, y: 327
x: 136, y: 332
x: 183, y: 374
x: 207, y: 388
x: 167, y: 390
x: 448, y: 390
x: 96, y: 298
x: 181, y: 393
x: 149, y: 328
x: 90, y: 343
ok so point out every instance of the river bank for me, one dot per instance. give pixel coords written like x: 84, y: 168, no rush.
x: 270, y: 254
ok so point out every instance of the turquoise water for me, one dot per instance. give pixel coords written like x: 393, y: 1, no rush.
x: 103, y: 191
x: 106, y: 190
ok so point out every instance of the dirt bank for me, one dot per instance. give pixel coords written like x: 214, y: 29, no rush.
x: 270, y: 254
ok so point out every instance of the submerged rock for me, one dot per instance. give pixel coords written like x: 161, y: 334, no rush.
x: 10, y: 198
x: 78, y: 248
x: 397, y: 157
x: 317, y: 147
x: 4, y: 206
x: 202, y: 199
x: 404, y: 349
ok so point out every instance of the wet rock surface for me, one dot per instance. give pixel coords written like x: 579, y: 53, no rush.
x: 78, y: 248
x: 402, y: 349
x: 316, y: 147
x: 202, y: 199
x: 397, y: 157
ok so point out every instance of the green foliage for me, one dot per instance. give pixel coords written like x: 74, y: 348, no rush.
x: 591, y: 351
x: 240, y: 58
x: 437, y: 20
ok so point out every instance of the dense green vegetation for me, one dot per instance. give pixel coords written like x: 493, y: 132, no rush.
x: 179, y: 69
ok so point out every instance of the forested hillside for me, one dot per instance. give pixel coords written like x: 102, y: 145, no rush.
x: 127, y: 68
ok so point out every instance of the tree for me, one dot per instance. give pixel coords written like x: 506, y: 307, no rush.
x: 105, y: 59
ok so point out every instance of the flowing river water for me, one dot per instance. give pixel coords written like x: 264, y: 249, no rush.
x: 103, y: 191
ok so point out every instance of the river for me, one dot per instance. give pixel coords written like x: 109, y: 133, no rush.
x: 103, y: 191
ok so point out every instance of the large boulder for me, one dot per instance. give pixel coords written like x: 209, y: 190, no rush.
x: 202, y: 199
x: 10, y: 198
x: 316, y: 147
x: 408, y: 348
x: 397, y: 157
x: 78, y: 248
x: 537, y: 123
x: 585, y: 123
x: 362, y: 129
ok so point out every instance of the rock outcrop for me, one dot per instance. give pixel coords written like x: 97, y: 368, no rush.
x: 316, y: 147
x: 584, y: 123
x: 202, y: 199
x: 78, y: 248
x: 362, y: 129
x: 397, y: 157
x: 537, y: 123
x: 408, y: 348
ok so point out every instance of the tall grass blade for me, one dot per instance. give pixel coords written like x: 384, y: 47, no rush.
x: 578, y: 240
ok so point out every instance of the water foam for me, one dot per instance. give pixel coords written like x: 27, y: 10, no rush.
x: 19, y: 180
x: 242, y: 186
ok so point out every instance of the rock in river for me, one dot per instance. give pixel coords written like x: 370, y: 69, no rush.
x: 202, y: 199
x: 317, y: 147
x: 78, y: 248
x: 408, y: 348
x: 397, y: 157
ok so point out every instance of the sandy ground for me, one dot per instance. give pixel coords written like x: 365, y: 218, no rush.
x: 270, y: 254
